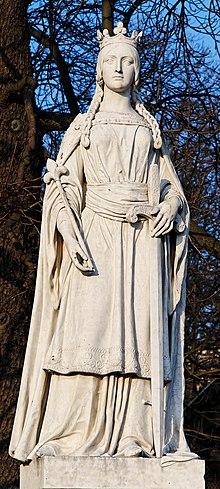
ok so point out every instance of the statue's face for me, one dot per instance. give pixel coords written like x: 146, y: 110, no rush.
x: 118, y: 67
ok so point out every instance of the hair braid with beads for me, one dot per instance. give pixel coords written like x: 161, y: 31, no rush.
x: 153, y: 124
x: 93, y: 108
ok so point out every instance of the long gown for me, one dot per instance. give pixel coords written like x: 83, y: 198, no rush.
x: 92, y: 394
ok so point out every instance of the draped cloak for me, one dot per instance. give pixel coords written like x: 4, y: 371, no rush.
x: 100, y: 323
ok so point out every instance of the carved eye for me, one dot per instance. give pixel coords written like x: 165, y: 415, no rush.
x: 109, y: 60
x: 128, y: 61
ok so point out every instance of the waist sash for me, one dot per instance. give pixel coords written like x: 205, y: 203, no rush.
x: 120, y: 201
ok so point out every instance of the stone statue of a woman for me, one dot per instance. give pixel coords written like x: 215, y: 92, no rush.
x: 111, y: 277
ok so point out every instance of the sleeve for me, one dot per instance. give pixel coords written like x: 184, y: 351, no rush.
x: 69, y: 158
x: 73, y: 186
x: 170, y: 186
x: 177, y: 240
x: 55, y: 214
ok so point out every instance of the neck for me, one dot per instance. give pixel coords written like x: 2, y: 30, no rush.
x: 116, y: 102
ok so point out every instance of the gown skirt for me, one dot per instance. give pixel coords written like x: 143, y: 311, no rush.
x: 99, y: 400
x: 88, y: 415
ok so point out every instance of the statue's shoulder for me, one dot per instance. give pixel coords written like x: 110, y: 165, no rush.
x: 71, y: 138
x: 74, y: 128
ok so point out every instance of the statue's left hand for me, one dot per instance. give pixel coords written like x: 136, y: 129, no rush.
x: 164, y: 220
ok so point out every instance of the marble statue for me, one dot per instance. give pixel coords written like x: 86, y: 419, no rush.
x: 103, y: 373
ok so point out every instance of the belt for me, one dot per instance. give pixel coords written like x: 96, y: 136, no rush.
x: 126, y: 201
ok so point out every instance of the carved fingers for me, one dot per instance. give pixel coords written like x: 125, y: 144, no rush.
x: 79, y: 258
x: 163, y: 222
x: 77, y: 255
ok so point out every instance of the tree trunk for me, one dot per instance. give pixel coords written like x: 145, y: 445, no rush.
x: 108, y: 15
x: 19, y: 167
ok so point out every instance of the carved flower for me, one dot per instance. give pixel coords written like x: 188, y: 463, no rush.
x: 120, y: 29
x: 99, y: 35
x: 106, y: 33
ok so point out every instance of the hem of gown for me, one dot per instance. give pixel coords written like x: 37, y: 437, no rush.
x: 96, y: 372
x: 21, y: 456
x: 103, y: 361
x: 131, y: 450
x: 60, y: 370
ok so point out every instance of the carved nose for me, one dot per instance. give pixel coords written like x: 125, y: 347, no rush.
x: 118, y: 66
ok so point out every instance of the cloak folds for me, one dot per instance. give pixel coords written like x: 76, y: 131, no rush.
x: 54, y: 269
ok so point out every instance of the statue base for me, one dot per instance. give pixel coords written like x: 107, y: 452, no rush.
x: 111, y: 473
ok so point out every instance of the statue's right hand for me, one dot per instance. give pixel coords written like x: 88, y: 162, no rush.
x: 79, y: 258
x: 77, y: 255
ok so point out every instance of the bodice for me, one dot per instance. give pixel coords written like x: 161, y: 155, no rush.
x: 121, y: 148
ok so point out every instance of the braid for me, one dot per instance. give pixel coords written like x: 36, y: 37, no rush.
x: 93, y: 108
x: 153, y: 124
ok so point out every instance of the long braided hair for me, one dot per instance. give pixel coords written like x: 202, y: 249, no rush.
x: 135, y: 99
x: 152, y: 122
x: 90, y: 114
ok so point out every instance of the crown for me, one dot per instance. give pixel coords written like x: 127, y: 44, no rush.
x: 105, y: 39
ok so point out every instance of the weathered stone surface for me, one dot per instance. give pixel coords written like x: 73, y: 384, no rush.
x: 113, y: 337
x: 111, y: 473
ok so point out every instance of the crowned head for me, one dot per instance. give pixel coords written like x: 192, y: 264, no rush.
x: 119, y: 36
x: 118, y: 46
x: 118, y: 69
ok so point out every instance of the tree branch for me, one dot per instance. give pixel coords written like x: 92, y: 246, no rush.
x: 62, y: 66
x: 54, y: 121
x: 130, y: 11
x: 205, y: 240
x: 108, y: 15
x: 199, y: 95
x: 16, y: 86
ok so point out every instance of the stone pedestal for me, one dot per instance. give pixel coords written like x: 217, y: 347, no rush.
x: 110, y: 473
